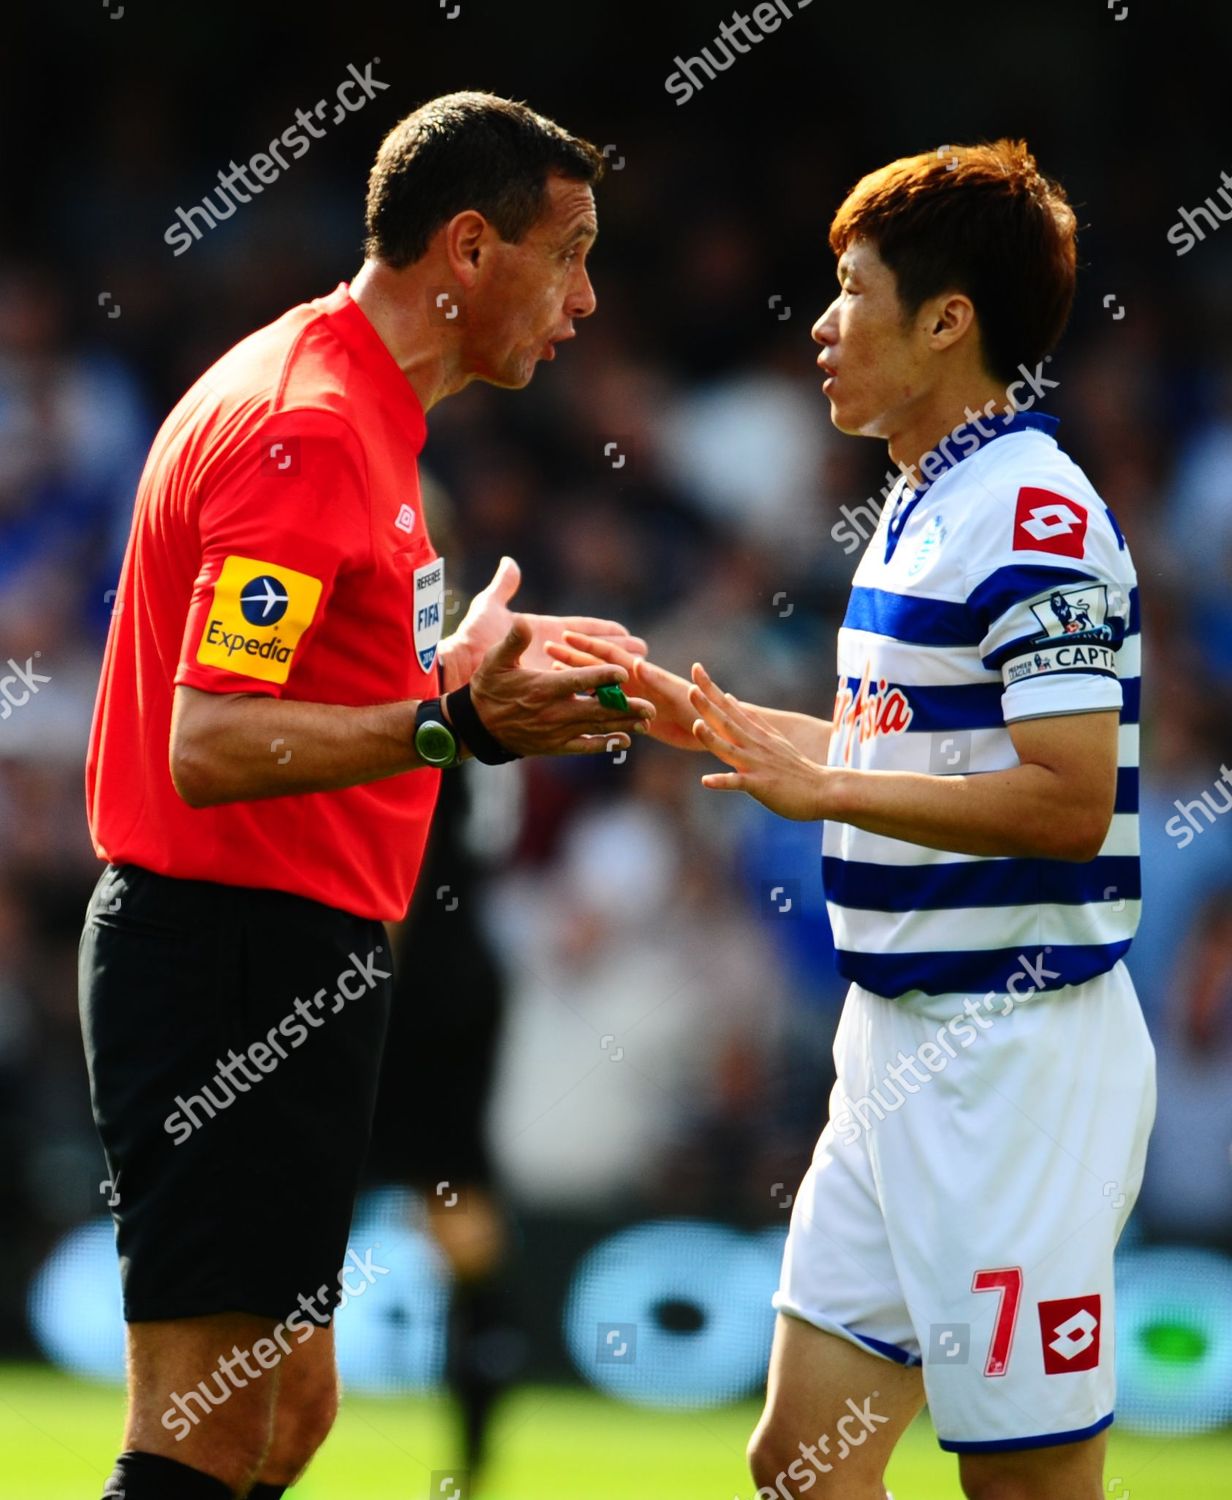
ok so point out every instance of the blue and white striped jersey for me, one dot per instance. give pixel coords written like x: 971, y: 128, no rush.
x: 1002, y: 590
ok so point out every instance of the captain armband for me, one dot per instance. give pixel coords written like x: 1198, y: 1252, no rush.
x: 1044, y: 659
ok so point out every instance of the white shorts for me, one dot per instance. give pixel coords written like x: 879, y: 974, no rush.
x: 964, y: 1202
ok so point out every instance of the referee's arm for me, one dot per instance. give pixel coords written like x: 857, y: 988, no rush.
x: 240, y: 747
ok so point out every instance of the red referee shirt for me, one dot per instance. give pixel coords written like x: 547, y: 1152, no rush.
x: 278, y: 546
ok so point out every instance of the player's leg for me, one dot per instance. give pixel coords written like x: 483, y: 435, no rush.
x: 190, y: 1403
x: 486, y: 1348
x: 844, y: 1375
x: 1074, y: 1470
x: 432, y: 1115
x: 306, y: 1406
x: 473, y: 1242
x: 833, y: 1414
x: 1010, y: 1173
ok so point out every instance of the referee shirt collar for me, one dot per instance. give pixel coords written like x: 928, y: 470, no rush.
x: 352, y: 327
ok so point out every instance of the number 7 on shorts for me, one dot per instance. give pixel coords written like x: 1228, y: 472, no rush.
x: 1008, y: 1282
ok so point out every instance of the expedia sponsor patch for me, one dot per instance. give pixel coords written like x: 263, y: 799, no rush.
x: 260, y: 611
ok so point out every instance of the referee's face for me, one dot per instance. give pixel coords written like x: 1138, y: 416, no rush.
x: 531, y: 293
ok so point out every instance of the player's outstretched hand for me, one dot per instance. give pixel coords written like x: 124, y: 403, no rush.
x: 764, y: 763
x: 488, y: 619
x: 543, y: 712
x: 674, y: 715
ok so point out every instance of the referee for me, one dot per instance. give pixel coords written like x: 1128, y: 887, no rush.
x: 275, y: 710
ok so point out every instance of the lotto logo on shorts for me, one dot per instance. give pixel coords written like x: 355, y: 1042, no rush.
x: 1069, y: 1328
x: 258, y: 614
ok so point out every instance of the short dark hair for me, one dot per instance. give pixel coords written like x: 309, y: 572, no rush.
x: 466, y: 151
x: 982, y: 220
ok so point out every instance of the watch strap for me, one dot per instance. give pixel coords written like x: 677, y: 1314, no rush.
x: 469, y: 728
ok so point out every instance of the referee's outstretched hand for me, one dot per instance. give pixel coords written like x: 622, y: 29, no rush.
x: 490, y: 616
x: 548, y: 713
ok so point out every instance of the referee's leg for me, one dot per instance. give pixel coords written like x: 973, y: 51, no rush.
x: 223, y: 1435
x: 235, y: 1135
x: 304, y: 1412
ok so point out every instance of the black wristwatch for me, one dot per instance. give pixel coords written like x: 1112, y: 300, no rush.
x: 435, y: 743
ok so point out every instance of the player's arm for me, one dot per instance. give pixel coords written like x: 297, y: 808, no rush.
x: 1056, y: 804
x: 674, y: 712
x: 238, y: 747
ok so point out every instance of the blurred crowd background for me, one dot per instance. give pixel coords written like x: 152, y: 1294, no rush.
x: 631, y: 911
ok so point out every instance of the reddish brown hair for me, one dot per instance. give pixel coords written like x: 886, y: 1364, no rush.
x: 981, y: 220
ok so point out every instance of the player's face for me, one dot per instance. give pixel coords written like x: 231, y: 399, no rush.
x: 532, y: 292
x: 874, y: 360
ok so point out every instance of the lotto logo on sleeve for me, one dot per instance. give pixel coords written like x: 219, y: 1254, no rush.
x: 259, y: 612
x: 1069, y: 1328
x: 1047, y: 522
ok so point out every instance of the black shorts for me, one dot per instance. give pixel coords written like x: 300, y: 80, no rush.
x: 440, y: 1057
x: 233, y: 1038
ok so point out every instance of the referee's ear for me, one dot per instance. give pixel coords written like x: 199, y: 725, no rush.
x: 464, y: 236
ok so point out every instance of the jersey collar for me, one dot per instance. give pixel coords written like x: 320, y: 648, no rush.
x: 352, y: 327
x: 970, y: 438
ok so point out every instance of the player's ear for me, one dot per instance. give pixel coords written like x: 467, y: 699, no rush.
x: 949, y: 318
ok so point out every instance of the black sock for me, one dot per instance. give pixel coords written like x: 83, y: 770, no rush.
x: 486, y: 1351
x: 267, y: 1491
x: 146, y: 1476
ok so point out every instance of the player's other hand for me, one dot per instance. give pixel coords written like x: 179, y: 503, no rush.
x: 488, y: 621
x: 764, y: 763
x: 674, y: 714
x: 542, y: 712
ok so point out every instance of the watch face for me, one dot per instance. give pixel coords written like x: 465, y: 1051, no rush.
x: 435, y: 743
